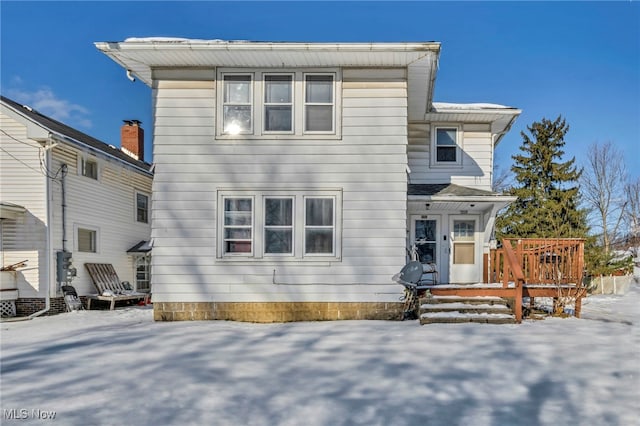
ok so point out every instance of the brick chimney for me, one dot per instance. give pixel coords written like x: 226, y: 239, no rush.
x: 132, y: 139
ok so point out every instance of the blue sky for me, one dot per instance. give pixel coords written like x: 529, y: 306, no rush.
x: 578, y: 59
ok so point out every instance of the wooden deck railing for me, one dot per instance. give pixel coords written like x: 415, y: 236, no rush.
x: 542, y: 261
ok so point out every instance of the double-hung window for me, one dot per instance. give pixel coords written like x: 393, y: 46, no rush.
x: 319, y: 226
x: 278, y: 226
x: 278, y: 103
x: 446, y: 146
x: 318, y: 103
x: 238, y: 226
x: 238, y: 104
x: 142, y: 207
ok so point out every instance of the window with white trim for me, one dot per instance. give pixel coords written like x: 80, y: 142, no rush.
x: 238, y: 226
x: 279, y: 224
x: 89, y: 168
x: 282, y: 103
x: 319, y: 225
x: 446, y: 146
x: 238, y: 104
x: 86, y: 240
x: 278, y: 103
x: 318, y: 103
x: 142, y: 207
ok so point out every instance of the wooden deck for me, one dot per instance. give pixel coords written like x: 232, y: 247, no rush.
x: 531, y: 268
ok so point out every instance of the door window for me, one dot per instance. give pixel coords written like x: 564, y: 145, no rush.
x: 425, y: 240
x: 464, y: 242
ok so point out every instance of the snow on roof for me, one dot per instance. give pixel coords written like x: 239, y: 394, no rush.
x: 438, y: 106
x: 176, y: 40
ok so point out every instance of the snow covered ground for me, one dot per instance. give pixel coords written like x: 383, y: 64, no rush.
x: 121, y: 368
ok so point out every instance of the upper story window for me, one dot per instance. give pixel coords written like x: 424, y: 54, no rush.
x: 237, y: 104
x: 278, y: 103
x: 142, y: 207
x: 318, y: 103
x: 89, y: 168
x: 446, y: 142
x: 287, y: 104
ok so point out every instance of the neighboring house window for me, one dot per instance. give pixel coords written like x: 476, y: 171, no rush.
x: 278, y: 103
x: 143, y: 272
x: 447, y: 146
x: 87, y: 240
x: 319, y: 229
x: 318, y: 103
x: 238, y: 226
x: 142, y: 207
x: 281, y: 103
x: 278, y: 226
x: 237, y: 104
x: 90, y: 168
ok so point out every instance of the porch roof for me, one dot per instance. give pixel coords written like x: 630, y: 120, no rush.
x: 10, y: 210
x: 141, y: 247
x: 449, y: 196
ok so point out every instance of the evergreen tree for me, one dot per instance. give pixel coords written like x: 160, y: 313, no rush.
x: 546, y: 187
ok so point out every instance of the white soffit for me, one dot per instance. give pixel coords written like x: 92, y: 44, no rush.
x: 141, y: 55
x: 501, y: 117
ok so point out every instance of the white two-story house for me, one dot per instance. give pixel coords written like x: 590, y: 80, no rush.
x: 292, y: 178
x: 63, y: 190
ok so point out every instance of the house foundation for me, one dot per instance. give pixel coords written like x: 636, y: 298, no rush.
x: 269, y: 312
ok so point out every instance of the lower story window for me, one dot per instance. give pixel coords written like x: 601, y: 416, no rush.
x: 143, y: 273
x: 269, y: 224
x: 238, y: 225
x: 87, y: 240
x: 278, y: 225
x: 319, y: 229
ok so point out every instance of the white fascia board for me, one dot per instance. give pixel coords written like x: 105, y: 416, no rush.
x: 464, y: 198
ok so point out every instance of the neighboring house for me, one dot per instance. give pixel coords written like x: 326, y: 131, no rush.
x: 291, y: 178
x: 49, y: 171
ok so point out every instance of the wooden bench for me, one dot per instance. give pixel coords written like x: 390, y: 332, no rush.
x: 109, y: 286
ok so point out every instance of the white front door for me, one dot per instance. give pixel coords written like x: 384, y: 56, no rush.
x: 464, y: 259
x: 424, y: 234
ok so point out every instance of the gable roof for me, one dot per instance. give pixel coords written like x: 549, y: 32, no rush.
x: 140, y: 56
x: 73, y: 136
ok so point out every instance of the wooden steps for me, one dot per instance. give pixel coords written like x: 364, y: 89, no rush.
x: 456, y: 309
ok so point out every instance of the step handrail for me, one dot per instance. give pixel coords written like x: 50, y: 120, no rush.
x: 512, y: 267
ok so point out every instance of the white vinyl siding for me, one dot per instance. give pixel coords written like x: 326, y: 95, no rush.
x: 106, y: 204
x: 22, y: 182
x: 476, y: 156
x: 364, y: 162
